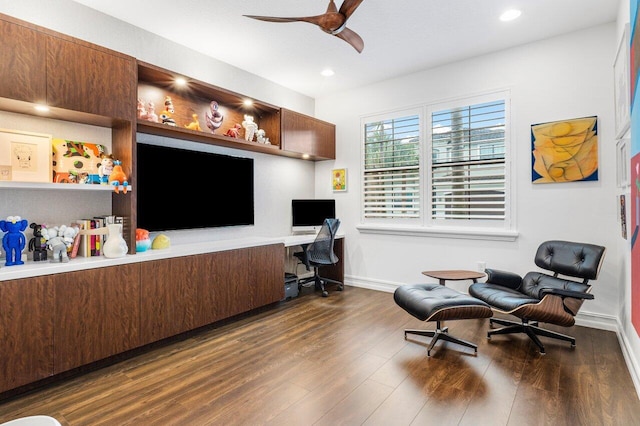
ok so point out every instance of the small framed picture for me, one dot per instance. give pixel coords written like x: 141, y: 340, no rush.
x: 339, y: 180
x: 28, y: 154
x: 622, y: 163
x: 621, y: 85
x: 5, y: 172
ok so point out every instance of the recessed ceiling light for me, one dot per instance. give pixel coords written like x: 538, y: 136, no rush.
x: 327, y: 72
x: 181, y: 81
x: 305, y: 156
x: 247, y: 102
x: 41, y: 108
x: 510, y: 15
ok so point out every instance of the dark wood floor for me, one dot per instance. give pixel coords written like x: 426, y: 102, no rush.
x: 343, y: 360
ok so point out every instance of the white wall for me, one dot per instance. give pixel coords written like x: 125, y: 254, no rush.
x: 277, y: 179
x: 555, y: 79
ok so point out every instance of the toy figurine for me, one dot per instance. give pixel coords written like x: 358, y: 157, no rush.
x: 14, y: 240
x: 249, y: 128
x: 38, y: 244
x: 60, y: 239
x: 234, y: 132
x: 166, y: 115
x: 143, y: 241
x: 151, y: 113
x: 195, y: 124
x: 118, y: 177
x: 214, y: 117
x: 142, y: 112
x: 260, y: 137
x: 105, y: 168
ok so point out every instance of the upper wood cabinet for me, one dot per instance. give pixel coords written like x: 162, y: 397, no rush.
x: 87, y: 78
x: 22, y: 63
x: 308, y: 136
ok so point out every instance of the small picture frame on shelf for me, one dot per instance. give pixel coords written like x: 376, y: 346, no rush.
x: 28, y: 154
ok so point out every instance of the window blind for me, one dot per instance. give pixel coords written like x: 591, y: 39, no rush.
x: 468, y: 162
x: 392, y: 168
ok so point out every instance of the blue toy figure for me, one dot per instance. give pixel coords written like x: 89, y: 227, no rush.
x: 14, y: 240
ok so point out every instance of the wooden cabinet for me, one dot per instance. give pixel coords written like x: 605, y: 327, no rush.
x: 96, y: 314
x: 87, y: 78
x: 307, y: 135
x: 22, y: 63
x: 26, y: 331
x: 184, y: 293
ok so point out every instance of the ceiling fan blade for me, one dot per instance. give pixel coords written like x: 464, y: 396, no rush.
x: 349, y: 6
x: 352, y: 38
x: 310, y: 19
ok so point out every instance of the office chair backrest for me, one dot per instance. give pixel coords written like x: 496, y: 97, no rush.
x: 321, y: 250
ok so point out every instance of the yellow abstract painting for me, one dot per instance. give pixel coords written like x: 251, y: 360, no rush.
x: 565, y: 151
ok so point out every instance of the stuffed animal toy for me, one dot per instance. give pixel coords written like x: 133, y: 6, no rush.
x: 14, y: 240
x: 118, y: 177
x: 38, y: 244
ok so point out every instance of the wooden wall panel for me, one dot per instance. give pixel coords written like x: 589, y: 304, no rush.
x: 97, y: 314
x: 26, y: 331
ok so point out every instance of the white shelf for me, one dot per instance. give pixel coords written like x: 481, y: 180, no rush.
x: 62, y: 186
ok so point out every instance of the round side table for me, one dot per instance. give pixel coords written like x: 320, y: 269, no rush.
x: 454, y: 275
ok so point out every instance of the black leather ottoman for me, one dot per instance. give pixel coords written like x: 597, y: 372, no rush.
x: 435, y: 302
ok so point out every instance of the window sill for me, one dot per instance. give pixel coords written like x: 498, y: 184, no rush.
x: 462, y: 233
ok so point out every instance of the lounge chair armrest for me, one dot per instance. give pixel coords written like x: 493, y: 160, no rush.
x: 566, y: 293
x: 503, y: 278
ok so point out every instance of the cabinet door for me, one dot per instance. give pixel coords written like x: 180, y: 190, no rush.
x: 168, y: 298
x: 26, y: 331
x: 223, y: 290
x: 266, y: 277
x: 22, y: 63
x: 85, y: 78
x: 308, y: 135
x: 97, y: 314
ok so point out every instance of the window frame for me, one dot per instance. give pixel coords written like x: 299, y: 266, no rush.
x: 425, y: 225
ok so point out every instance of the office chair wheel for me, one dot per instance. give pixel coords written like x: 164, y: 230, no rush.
x: 340, y: 287
x: 325, y: 293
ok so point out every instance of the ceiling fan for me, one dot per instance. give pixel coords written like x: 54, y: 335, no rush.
x: 333, y: 21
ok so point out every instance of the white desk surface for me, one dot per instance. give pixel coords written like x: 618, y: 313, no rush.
x: 296, y: 240
x: 32, y: 269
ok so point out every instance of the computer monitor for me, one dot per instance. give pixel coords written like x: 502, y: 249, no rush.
x: 308, y: 215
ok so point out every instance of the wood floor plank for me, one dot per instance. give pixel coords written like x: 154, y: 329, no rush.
x: 344, y: 360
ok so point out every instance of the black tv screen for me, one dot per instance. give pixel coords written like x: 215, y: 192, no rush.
x: 183, y: 189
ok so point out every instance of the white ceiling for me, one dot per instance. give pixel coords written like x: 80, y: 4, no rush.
x: 400, y: 37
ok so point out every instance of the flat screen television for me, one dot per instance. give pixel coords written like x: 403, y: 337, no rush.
x: 308, y: 215
x: 181, y: 189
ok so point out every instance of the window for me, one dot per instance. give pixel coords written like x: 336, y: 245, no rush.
x: 392, y: 167
x: 448, y: 171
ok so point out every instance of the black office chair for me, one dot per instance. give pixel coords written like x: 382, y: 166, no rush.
x: 320, y: 253
x: 541, y: 297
